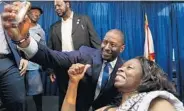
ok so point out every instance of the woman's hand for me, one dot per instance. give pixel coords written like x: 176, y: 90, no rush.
x: 77, y: 71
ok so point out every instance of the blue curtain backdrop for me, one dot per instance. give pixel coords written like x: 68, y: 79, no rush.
x: 166, y: 21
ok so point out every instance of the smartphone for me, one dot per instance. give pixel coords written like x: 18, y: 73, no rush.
x: 21, y: 13
x: 25, y: 6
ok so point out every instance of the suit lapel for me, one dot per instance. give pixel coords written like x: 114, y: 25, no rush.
x: 58, y: 30
x: 12, y: 49
x: 97, y: 65
x: 75, y: 23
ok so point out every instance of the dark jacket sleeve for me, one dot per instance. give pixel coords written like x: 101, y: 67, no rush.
x: 51, y: 34
x: 50, y: 45
x: 55, y: 59
x: 93, y: 36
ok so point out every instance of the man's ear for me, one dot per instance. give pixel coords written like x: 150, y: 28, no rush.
x: 122, y: 48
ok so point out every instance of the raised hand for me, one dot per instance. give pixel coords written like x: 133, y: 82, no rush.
x: 77, y: 71
x: 17, y: 31
x: 52, y: 77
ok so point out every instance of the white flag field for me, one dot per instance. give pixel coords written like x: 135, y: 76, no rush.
x: 148, y: 45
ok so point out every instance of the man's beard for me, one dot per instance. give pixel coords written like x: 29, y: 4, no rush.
x: 34, y: 21
x: 64, y: 13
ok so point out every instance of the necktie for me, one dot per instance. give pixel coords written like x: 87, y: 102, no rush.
x: 105, y: 75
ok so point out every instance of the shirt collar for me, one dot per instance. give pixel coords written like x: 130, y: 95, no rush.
x: 36, y: 26
x: 71, y: 17
x: 112, y: 63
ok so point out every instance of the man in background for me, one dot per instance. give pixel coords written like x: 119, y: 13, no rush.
x: 34, y: 86
x: 68, y: 34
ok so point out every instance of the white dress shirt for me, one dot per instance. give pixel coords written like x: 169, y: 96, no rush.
x: 66, y: 32
x: 31, y: 49
x: 4, y: 49
x: 99, y: 83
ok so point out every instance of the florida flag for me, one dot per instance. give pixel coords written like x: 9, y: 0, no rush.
x: 148, y: 45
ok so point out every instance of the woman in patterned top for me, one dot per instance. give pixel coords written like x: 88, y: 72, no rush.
x: 142, y: 82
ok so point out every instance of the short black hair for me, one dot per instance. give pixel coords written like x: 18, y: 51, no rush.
x: 120, y: 33
x: 35, y: 7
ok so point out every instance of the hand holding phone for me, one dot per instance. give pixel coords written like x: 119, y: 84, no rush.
x: 14, y: 20
x: 21, y: 13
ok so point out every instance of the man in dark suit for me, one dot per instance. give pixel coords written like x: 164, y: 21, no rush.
x: 12, y: 89
x: 96, y: 89
x: 71, y: 32
x: 80, y: 30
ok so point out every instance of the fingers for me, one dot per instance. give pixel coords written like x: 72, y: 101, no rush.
x: 16, y: 6
x: 10, y: 11
x: 79, y: 68
x: 71, y: 71
x: 16, y: 29
x: 52, y: 77
x: 23, y: 70
x: 17, y: 3
x: 23, y: 66
x: 86, y: 67
x: 8, y: 8
x: 76, y: 69
x: 8, y: 15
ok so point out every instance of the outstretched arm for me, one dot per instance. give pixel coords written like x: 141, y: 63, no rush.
x: 33, y: 51
x: 76, y: 73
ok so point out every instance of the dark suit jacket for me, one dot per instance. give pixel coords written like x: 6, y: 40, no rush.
x: 60, y: 61
x: 83, y: 33
x: 13, y: 49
